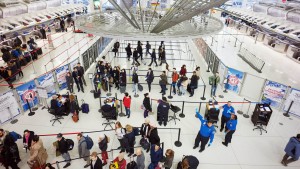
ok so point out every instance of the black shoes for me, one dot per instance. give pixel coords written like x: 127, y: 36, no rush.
x: 86, y: 166
x: 200, y: 151
x: 67, y: 165
x: 225, y: 144
x: 195, y: 147
x: 129, y: 155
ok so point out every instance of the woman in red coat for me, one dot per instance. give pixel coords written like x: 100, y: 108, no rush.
x: 183, y: 70
x: 127, y: 102
x: 120, y: 161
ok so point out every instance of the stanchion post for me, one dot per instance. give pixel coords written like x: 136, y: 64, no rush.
x: 170, y: 96
x: 288, y: 111
x: 178, y: 142
x: 247, y: 115
x: 241, y: 111
x: 226, y: 84
x: 203, y: 95
x: 109, y: 90
x: 31, y: 113
x: 182, y: 109
x: 57, y: 165
x: 121, y: 114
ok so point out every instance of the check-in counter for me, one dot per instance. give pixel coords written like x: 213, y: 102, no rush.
x: 260, y: 36
x: 293, y: 52
x: 26, y: 36
x: 242, y: 28
x: 269, y: 40
x: 280, y: 46
x: 251, y: 32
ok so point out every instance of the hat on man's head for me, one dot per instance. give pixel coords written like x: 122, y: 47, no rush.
x: 59, y: 135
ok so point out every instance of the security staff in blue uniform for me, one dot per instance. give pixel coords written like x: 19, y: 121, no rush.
x: 206, y: 133
x: 227, y: 111
x: 163, y: 110
x: 230, y: 129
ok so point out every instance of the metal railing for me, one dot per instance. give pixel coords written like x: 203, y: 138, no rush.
x: 255, y: 62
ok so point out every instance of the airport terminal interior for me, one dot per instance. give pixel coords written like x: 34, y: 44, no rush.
x: 243, y: 53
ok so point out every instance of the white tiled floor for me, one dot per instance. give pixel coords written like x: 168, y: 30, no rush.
x: 249, y: 149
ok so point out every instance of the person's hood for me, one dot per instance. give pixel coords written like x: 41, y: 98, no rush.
x: 295, y: 140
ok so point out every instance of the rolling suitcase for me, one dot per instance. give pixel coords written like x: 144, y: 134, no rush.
x: 140, y: 87
x: 39, y: 51
x: 97, y: 94
x: 85, y: 107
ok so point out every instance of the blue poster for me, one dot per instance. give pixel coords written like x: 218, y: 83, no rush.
x: 61, y: 73
x: 27, y: 91
x: 234, y: 78
x: 274, y: 93
x: 47, y: 81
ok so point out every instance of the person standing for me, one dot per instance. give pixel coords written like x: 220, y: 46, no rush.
x: 148, y: 47
x: 230, y: 129
x: 63, y: 148
x: 153, y: 135
x: 153, y: 58
x: 198, y: 73
x: 128, y: 51
x: 147, y: 105
x: 214, y: 81
x: 77, y: 76
x: 70, y: 82
x: 81, y: 70
x: 183, y: 70
x: 5, y: 75
x: 156, y: 154
x: 123, y: 81
x: 116, y: 48
x: 149, y: 78
x: 175, y: 78
x: 116, y: 76
x: 292, y: 151
x: 83, y: 150
x: 206, y: 133
x: 145, y: 128
x: 193, y: 83
x: 120, y: 132
x: 96, y: 163
x: 97, y: 82
x: 74, y: 108
x: 169, y: 159
x: 163, y: 82
x: 163, y: 110
x: 103, y: 140
x: 120, y: 161
x: 127, y: 103
x: 226, y: 114
x: 130, y: 140
x: 135, y: 57
x: 135, y: 80
x: 140, y: 49
x: 27, y: 139
x: 140, y: 159
x: 163, y: 57
x: 38, y: 155
x: 62, y: 24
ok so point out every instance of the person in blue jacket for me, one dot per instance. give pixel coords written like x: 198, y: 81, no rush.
x: 227, y: 111
x: 292, y: 150
x: 206, y: 133
x: 230, y: 129
x: 156, y: 154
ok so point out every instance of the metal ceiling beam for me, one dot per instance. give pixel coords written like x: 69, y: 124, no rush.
x: 132, y: 16
x: 184, y: 10
x: 123, y: 13
x: 141, y: 12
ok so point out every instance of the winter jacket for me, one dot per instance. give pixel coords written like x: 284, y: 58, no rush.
x: 97, y: 164
x: 175, y: 77
x: 6, y: 57
x: 63, y: 146
x: 135, y: 78
x: 38, y: 153
x: 182, y: 71
x: 76, y: 74
x: 140, y: 161
x: 214, y: 80
x: 194, y: 81
x: 135, y: 54
x: 130, y: 138
x: 144, y: 129
x: 103, y: 144
x: 164, y: 79
x: 29, y: 139
x: 293, y: 148
x: 122, y: 163
x: 153, y: 136
x: 128, y: 50
x: 127, y: 101
x: 150, y: 77
x: 155, y: 156
x: 163, y: 107
x: 82, y: 148
x: 69, y: 80
x: 146, y: 104
x: 123, y: 79
x: 153, y: 55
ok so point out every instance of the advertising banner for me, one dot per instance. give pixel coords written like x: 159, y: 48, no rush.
x: 273, y: 93
x: 235, y: 79
x: 47, y: 81
x: 73, y: 64
x: 8, y: 107
x: 61, y: 73
x: 293, y: 96
x: 27, y: 91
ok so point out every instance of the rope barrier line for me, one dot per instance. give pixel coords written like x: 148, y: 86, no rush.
x: 210, y: 102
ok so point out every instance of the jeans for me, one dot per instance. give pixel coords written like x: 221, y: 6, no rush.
x: 213, y: 90
x: 134, y: 88
x: 149, y: 86
x: 182, y: 89
x: 174, y: 87
x: 127, y: 111
x: 67, y: 157
x: 146, y: 113
x: 163, y: 89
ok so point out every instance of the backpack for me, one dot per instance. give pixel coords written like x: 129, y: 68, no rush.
x: 89, y: 142
x: 132, y: 165
x: 70, y: 144
x: 15, y: 136
x: 144, y: 143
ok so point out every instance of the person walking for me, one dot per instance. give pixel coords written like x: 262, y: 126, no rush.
x: 206, y: 133
x: 128, y: 51
x: 292, y: 151
x: 96, y: 163
x: 168, y: 161
x: 140, y: 159
x: 230, y: 129
x: 175, y: 78
x: 163, y: 111
x: 130, y: 140
x: 140, y: 49
x: 63, y: 148
x: 156, y: 154
x: 70, y: 82
x: 135, y: 80
x: 163, y: 57
x: 83, y: 150
x: 193, y: 83
x: 147, y: 105
x: 77, y: 76
x: 103, y: 141
x: 120, y: 132
x: 214, y: 81
x: 226, y: 114
x: 81, y: 70
x: 127, y: 103
x: 135, y: 57
x: 148, y: 47
x: 116, y: 76
x: 149, y: 78
x: 163, y: 82
x: 153, y: 58
x: 38, y: 154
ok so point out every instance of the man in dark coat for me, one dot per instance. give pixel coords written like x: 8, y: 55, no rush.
x: 78, y: 79
x: 63, y: 149
x: 147, y: 105
x: 163, y: 110
x: 128, y: 51
x: 140, y: 49
x: 153, y: 135
x: 194, y: 83
x: 81, y: 70
x: 135, y: 57
x: 292, y: 150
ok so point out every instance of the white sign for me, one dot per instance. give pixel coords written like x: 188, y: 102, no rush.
x: 293, y: 96
x: 42, y: 92
x: 8, y: 107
